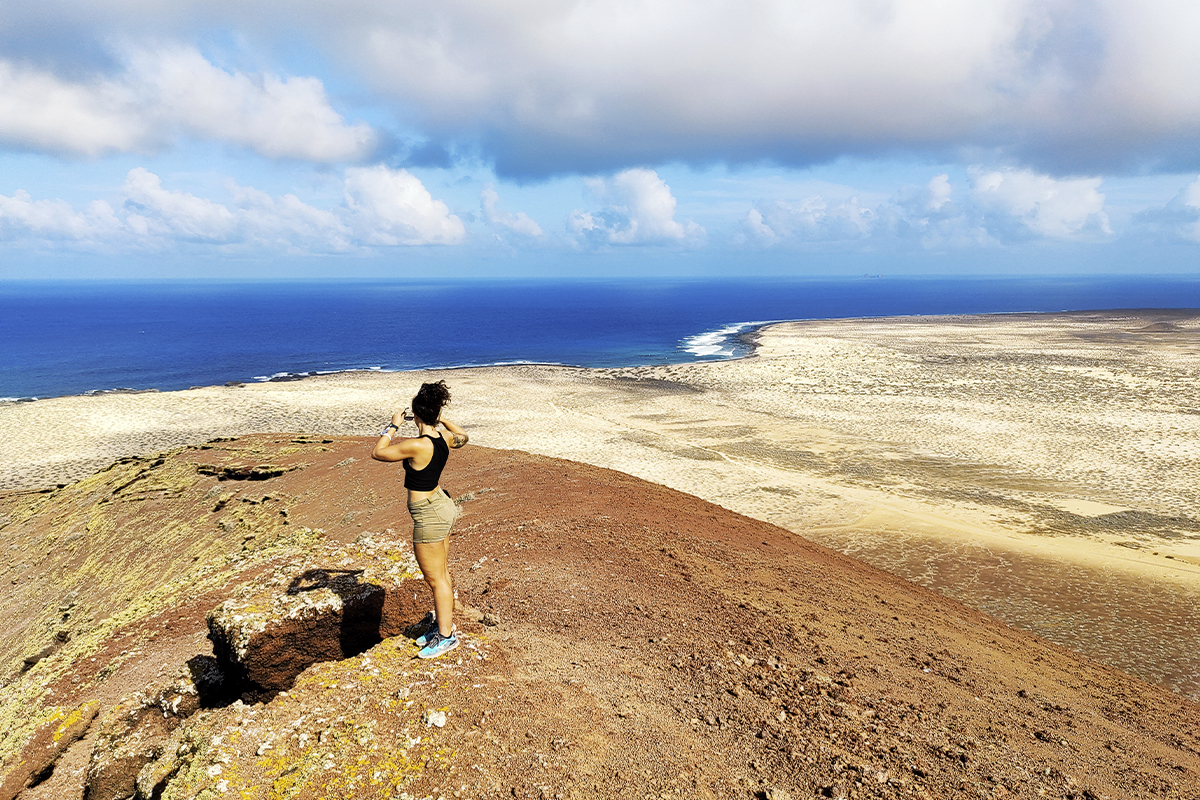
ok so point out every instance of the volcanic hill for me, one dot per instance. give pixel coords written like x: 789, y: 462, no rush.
x: 227, y: 620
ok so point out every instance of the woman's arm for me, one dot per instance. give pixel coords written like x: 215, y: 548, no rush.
x: 398, y: 449
x: 458, y: 437
x: 387, y: 449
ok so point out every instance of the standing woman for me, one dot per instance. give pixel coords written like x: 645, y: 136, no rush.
x: 432, y: 510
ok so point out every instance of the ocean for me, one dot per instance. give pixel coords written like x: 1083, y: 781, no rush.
x: 67, y: 338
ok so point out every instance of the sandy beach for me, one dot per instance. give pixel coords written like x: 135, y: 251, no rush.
x: 1041, y: 468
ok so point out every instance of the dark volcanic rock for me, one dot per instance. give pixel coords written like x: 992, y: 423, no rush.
x: 51, y: 740
x: 133, y: 734
x: 265, y: 640
x: 244, y: 472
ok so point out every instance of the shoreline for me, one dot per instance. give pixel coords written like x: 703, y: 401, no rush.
x: 748, y: 339
x: 1029, y: 465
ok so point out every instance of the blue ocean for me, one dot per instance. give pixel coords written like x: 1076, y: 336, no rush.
x: 62, y: 338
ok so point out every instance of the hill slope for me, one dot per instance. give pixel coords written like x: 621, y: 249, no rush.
x: 639, y: 642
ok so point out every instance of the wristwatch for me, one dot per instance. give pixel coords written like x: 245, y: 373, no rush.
x: 387, y: 428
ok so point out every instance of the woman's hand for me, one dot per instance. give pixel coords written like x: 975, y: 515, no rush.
x: 399, y: 417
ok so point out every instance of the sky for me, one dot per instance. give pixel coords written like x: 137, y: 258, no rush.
x: 398, y: 139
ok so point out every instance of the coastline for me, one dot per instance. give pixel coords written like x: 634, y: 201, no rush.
x: 1030, y: 465
x: 744, y: 335
x: 731, y: 334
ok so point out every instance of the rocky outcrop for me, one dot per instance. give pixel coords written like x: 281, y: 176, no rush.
x: 134, y: 734
x: 37, y: 761
x: 262, y: 642
x: 244, y: 472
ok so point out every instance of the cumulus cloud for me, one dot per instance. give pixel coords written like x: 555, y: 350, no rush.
x: 1002, y: 206
x: 1068, y: 86
x: 1046, y: 206
x: 1071, y: 85
x: 758, y: 228
x: 288, y: 224
x: 392, y: 206
x: 40, y: 112
x: 383, y: 208
x: 22, y: 217
x: 811, y: 220
x: 277, y: 117
x: 939, y: 191
x: 1178, y: 220
x: 489, y: 202
x: 159, y: 212
x: 163, y: 94
x: 640, y: 209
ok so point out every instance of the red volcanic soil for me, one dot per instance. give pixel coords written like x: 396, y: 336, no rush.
x: 639, y: 642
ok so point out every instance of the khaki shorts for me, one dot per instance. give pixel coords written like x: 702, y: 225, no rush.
x: 433, y: 517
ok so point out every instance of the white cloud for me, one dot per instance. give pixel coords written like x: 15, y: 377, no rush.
x: 391, y: 206
x: 929, y: 215
x: 758, y: 227
x: 383, y: 208
x: 939, y: 191
x: 155, y: 211
x: 489, y: 202
x: 1178, y: 220
x: 1068, y: 86
x: 1003, y: 205
x: 1047, y: 206
x: 640, y: 210
x: 1191, y: 194
x: 561, y: 87
x: 277, y: 117
x: 811, y: 220
x: 168, y: 93
x: 22, y: 217
x: 289, y: 224
x: 40, y: 112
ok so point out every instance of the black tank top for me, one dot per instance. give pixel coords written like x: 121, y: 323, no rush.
x: 426, y: 480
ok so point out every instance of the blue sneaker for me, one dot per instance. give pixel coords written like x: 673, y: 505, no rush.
x: 422, y: 629
x: 424, y: 638
x: 438, y: 645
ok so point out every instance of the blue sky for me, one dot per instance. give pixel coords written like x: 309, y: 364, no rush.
x: 385, y: 138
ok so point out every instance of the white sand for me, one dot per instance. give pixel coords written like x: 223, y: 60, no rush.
x: 988, y: 457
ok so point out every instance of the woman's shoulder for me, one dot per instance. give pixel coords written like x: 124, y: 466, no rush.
x: 421, y: 442
x: 425, y: 441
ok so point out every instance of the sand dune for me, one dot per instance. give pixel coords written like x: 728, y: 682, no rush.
x: 1041, y: 468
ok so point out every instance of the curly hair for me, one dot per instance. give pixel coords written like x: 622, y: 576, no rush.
x: 430, y: 400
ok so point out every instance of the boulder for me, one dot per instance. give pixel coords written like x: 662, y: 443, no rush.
x: 263, y: 641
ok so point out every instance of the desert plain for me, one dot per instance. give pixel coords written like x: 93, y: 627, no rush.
x: 1041, y: 468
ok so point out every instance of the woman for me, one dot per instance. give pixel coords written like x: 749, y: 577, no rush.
x: 432, y: 510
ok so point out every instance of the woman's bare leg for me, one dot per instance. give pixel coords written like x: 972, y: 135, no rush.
x: 432, y: 557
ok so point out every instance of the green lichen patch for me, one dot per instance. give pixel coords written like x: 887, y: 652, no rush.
x: 29, y: 690
x: 352, y: 728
